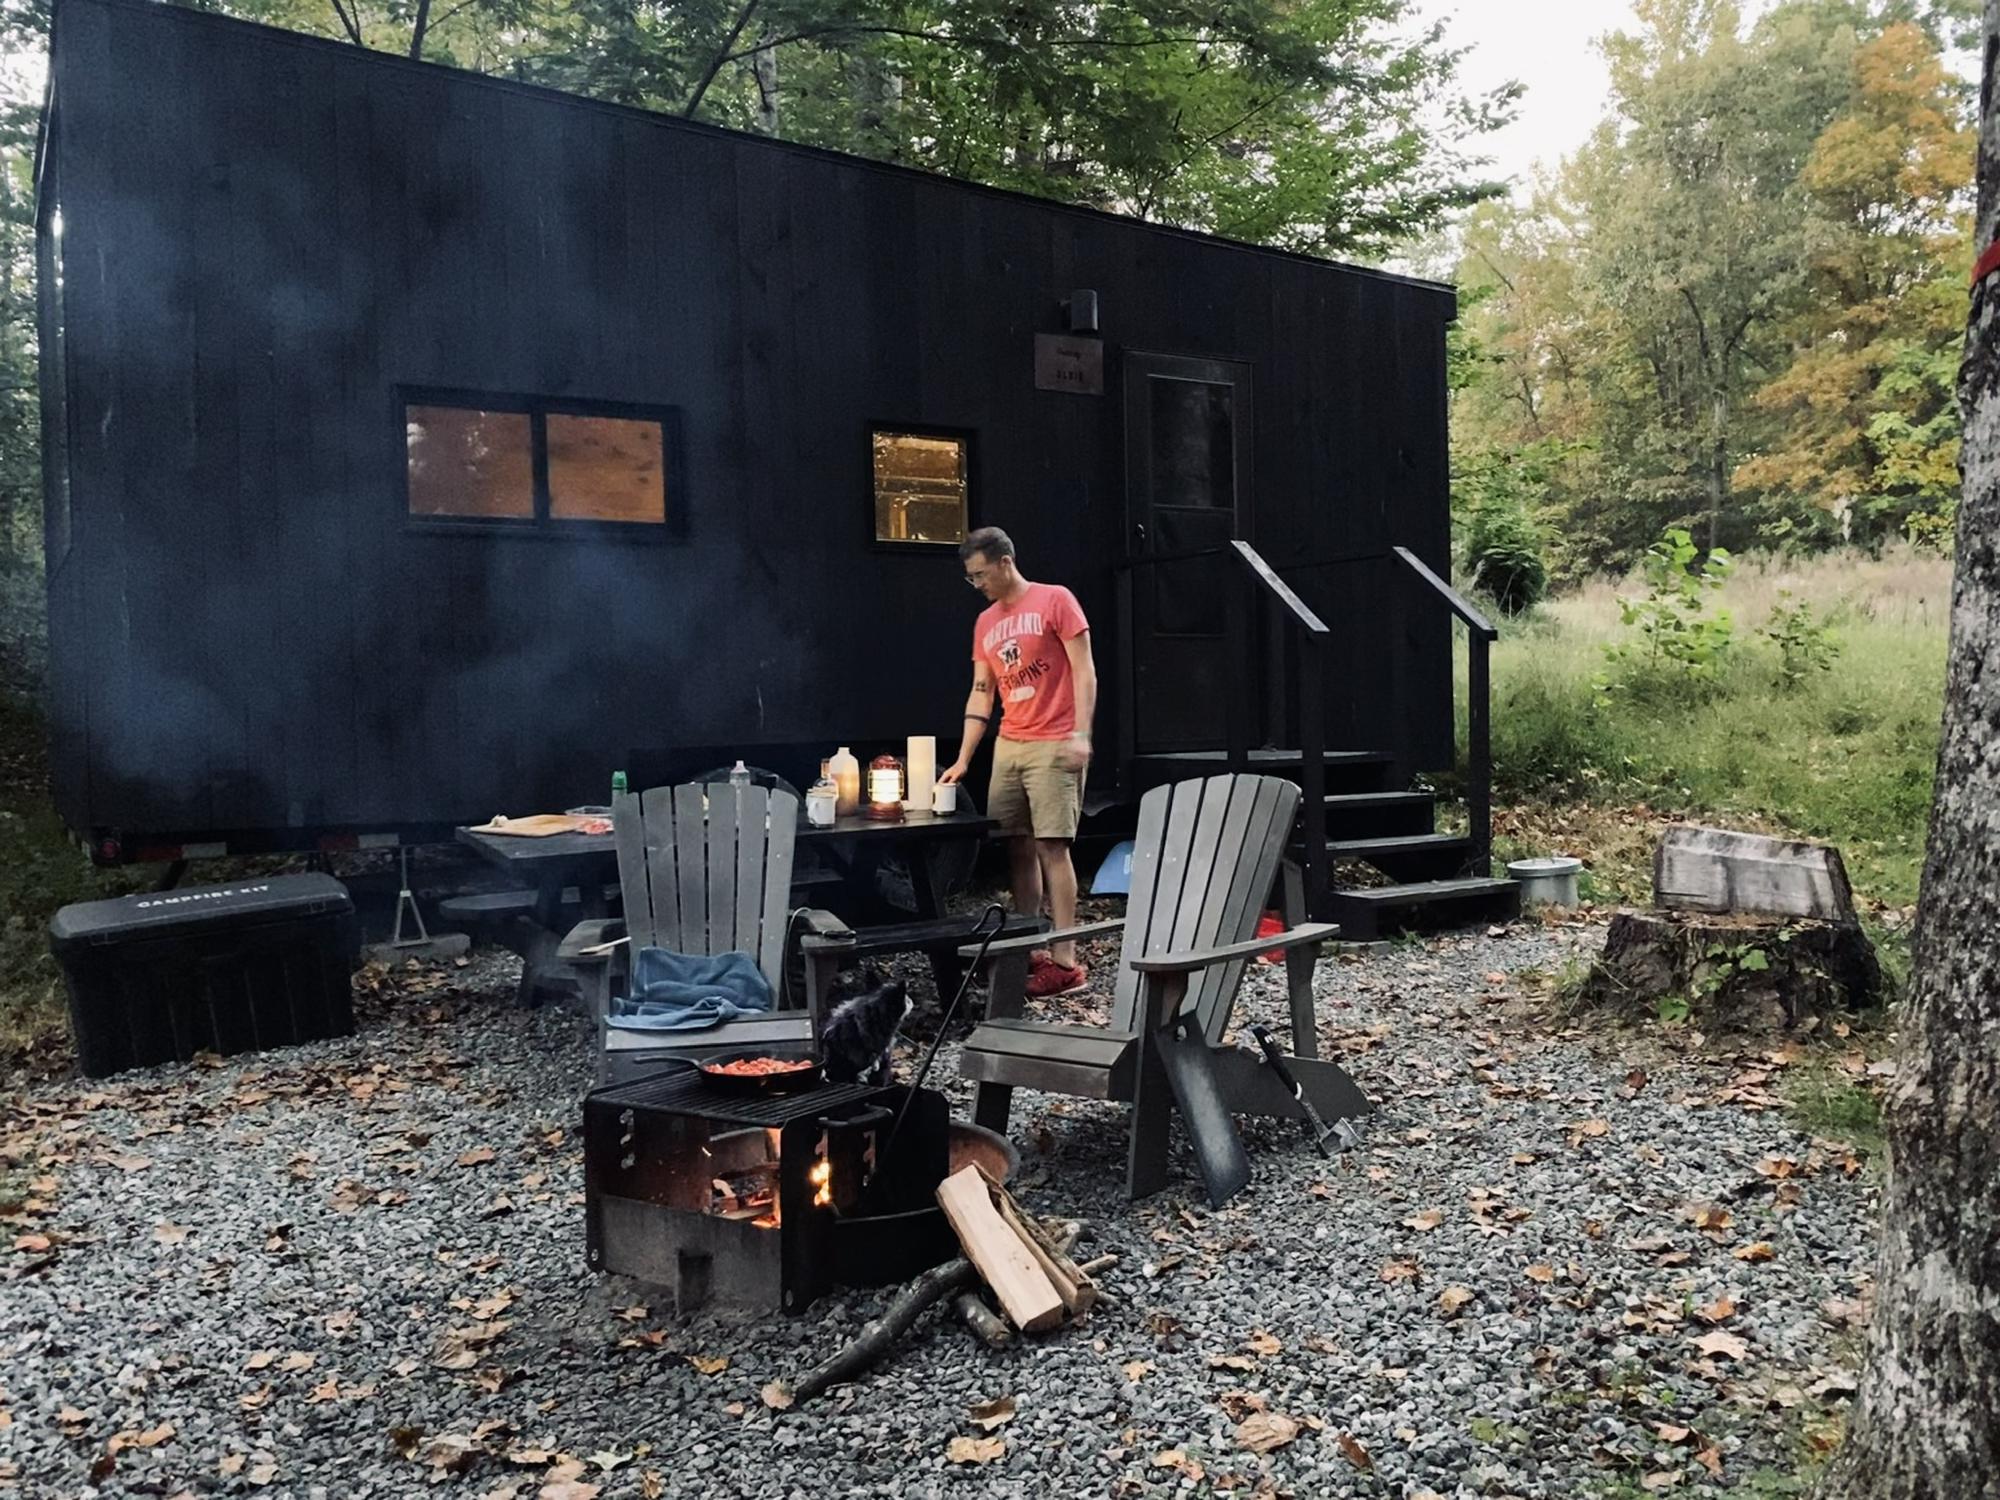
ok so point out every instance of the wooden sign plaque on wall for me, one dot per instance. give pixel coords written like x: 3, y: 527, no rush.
x: 1064, y: 363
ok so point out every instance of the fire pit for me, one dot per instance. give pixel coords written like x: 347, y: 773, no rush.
x: 760, y: 1200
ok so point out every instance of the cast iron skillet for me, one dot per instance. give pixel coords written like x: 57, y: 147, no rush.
x: 797, y: 1080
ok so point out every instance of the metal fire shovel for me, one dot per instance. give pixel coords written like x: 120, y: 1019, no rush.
x: 1322, y: 1132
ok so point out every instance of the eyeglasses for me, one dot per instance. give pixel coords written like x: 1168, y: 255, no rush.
x: 977, y: 579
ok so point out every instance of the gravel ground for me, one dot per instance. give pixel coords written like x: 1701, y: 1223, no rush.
x: 355, y: 1269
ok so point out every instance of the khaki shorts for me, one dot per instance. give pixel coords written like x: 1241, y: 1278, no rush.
x: 1031, y: 793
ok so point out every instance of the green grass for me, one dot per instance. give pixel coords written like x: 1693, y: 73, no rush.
x: 1846, y: 757
x: 1826, y: 1102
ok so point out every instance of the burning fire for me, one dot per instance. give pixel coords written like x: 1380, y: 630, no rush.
x: 821, y: 1177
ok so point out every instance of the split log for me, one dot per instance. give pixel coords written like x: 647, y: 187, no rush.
x: 1733, y: 972
x: 1078, y: 1295
x: 879, y: 1333
x: 1001, y: 1254
x: 987, y: 1325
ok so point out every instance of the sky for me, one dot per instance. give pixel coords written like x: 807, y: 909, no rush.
x: 1549, y: 47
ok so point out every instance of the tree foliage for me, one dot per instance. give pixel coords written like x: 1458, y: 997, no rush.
x: 1737, y: 303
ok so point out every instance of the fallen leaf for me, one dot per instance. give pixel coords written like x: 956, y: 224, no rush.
x: 1634, y: 1082
x: 1175, y: 1459
x: 256, y: 1400
x: 1711, y: 1218
x: 1540, y: 1272
x: 1353, y: 1452
x: 1669, y: 1433
x: 1426, y: 1221
x: 777, y: 1395
x: 1721, y: 1344
x: 651, y: 1485
x: 263, y: 1473
x: 262, y: 1359
x: 1719, y: 1311
x: 609, y: 1462
x: 1453, y: 1299
x: 709, y: 1364
x: 1660, y: 1479
x: 298, y: 1359
x: 1760, y: 1251
x: 1262, y: 1343
x: 169, y: 1234
x: 478, y: 1156
x: 1583, y: 1130
x: 152, y: 1437
x: 1231, y: 1362
x: 1138, y: 1368
x: 34, y: 1244
x: 1401, y: 1270
x: 967, y: 1450
x: 988, y: 1415
x: 232, y: 1465
x: 1266, y: 1431
x: 1711, y: 1460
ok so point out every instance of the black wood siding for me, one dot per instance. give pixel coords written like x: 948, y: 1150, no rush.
x: 267, y: 234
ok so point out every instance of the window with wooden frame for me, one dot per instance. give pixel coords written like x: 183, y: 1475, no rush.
x: 921, y: 486
x: 523, y: 463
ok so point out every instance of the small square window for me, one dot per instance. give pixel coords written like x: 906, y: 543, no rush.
x: 606, y: 469
x: 921, y: 492
x: 468, y: 462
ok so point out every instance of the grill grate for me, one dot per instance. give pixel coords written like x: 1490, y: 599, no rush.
x: 686, y: 1092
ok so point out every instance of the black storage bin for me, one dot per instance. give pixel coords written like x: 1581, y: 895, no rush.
x: 161, y: 976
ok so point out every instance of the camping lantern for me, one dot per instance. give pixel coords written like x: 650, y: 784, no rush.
x: 885, y: 788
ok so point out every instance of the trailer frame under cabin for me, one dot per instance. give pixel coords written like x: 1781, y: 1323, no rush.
x: 422, y: 445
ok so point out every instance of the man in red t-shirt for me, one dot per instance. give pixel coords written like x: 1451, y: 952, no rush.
x: 1032, y: 645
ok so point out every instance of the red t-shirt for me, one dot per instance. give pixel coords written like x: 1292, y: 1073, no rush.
x: 1022, y: 643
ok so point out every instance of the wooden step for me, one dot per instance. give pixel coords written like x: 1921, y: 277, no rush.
x: 1409, y: 856
x: 1374, y: 815
x: 1365, y: 913
x: 1346, y: 770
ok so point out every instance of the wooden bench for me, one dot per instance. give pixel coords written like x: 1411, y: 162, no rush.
x: 937, y: 938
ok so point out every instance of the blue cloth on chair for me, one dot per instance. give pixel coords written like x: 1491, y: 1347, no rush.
x: 690, y: 992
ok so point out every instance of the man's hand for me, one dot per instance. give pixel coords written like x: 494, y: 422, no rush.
x: 1074, y: 753
x: 953, y: 772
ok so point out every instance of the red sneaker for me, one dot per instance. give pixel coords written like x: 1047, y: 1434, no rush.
x: 1057, y: 979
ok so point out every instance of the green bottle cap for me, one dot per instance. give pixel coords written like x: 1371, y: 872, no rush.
x: 617, y: 781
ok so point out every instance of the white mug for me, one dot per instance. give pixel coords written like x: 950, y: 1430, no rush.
x: 944, y: 797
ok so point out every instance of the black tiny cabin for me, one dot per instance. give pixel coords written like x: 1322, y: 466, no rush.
x: 422, y: 446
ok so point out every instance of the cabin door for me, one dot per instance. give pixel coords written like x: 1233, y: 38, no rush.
x: 1188, y: 438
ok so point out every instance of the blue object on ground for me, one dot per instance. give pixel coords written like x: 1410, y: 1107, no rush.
x: 1114, y: 876
x: 690, y: 992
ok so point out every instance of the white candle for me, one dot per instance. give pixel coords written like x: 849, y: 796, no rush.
x: 921, y: 763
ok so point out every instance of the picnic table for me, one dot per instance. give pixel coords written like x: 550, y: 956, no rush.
x: 856, y: 844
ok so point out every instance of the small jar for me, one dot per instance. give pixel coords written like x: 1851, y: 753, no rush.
x: 823, y: 799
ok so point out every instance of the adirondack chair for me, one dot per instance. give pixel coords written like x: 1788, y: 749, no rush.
x: 1205, y: 857
x: 704, y: 869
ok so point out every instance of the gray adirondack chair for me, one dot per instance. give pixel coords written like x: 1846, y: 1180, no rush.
x: 1205, y: 857
x: 703, y: 869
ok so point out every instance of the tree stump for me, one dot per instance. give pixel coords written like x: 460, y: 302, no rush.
x: 1733, y: 972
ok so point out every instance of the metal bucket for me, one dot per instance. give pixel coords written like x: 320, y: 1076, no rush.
x: 1548, y: 881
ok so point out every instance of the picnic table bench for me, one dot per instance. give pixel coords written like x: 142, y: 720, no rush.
x: 855, y: 845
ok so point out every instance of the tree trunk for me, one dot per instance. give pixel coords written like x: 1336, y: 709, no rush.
x: 1718, y: 458
x: 1927, y: 1426
x: 764, y: 67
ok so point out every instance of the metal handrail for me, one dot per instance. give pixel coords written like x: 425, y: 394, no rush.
x: 1456, y: 602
